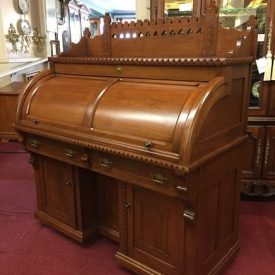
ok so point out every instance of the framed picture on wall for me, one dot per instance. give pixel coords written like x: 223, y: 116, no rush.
x: 60, y: 12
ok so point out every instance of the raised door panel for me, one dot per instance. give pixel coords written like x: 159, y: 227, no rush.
x: 156, y: 230
x: 269, y: 154
x: 57, y: 187
x: 253, y: 152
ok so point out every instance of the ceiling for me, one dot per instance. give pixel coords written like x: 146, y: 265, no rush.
x: 111, y: 5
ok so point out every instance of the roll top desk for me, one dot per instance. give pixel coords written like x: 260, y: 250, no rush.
x: 137, y: 135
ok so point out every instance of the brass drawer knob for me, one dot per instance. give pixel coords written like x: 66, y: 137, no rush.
x: 189, y: 215
x: 182, y: 188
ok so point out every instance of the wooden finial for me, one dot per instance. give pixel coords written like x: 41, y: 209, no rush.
x: 107, y: 34
x: 252, y: 21
x: 212, y: 7
x: 107, y: 18
x: 87, y: 33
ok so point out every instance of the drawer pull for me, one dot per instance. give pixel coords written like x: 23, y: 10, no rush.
x: 69, y: 153
x: 182, y: 188
x: 159, y: 179
x: 189, y: 215
x: 68, y: 182
x: 105, y: 162
x: 34, y: 143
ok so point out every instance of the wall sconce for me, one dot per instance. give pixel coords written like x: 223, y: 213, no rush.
x: 25, y: 40
x: 13, y: 38
x: 38, y: 39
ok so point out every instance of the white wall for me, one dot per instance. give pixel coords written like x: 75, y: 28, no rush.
x: 9, y: 13
x: 143, y: 9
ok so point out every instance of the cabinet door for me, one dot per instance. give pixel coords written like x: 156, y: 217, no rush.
x: 253, y: 152
x: 153, y: 237
x: 56, y: 190
x: 269, y: 154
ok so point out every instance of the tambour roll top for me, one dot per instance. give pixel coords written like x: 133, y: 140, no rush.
x: 130, y: 111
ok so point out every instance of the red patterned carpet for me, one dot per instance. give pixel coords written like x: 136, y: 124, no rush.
x: 29, y: 248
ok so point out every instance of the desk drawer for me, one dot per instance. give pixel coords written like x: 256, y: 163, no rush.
x: 58, y: 150
x: 139, y: 173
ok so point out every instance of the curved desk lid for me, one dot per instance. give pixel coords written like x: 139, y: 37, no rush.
x: 154, y: 118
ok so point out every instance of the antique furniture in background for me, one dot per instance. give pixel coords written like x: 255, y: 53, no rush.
x: 84, y: 18
x: 8, y: 103
x: 137, y: 135
x: 258, y: 177
x: 72, y: 20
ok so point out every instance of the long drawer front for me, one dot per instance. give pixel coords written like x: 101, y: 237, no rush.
x: 58, y: 150
x: 139, y: 173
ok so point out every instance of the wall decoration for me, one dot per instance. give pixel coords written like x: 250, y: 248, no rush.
x: 25, y: 26
x: 13, y: 37
x: 24, y: 6
x: 25, y: 41
x: 25, y: 38
x: 39, y: 39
